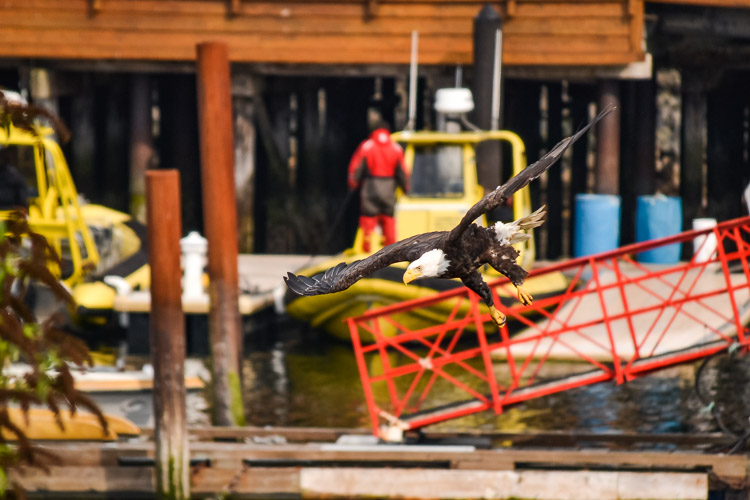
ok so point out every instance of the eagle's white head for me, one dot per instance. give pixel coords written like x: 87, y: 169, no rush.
x: 430, y: 265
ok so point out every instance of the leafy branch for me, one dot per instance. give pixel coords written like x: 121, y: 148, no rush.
x: 48, y: 352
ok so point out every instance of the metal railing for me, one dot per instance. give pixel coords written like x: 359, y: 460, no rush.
x: 619, y: 317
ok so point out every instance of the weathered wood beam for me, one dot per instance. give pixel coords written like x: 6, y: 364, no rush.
x: 692, y: 148
x: 644, y: 137
x: 366, y: 482
x: 371, y: 9
x: 727, y: 168
x: 608, y: 140
x: 555, y: 218
x: 95, y: 6
x: 167, y: 334
x: 606, y: 32
x: 141, y: 143
x: 260, y: 469
x: 713, y: 22
x: 220, y: 225
x: 244, y: 90
x: 486, y: 25
x: 511, y: 8
x: 235, y: 7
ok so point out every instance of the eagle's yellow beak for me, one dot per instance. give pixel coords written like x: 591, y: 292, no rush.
x: 410, y: 275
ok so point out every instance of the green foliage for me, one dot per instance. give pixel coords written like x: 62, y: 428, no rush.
x: 49, y: 352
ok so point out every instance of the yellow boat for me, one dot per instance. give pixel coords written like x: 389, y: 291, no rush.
x: 444, y: 186
x: 42, y: 424
x: 93, y: 241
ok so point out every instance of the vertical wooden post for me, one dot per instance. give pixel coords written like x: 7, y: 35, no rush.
x: 178, y: 141
x: 83, y: 128
x: 220, y: 223
x: 644, y: 136
x: 554, y: 175
x: 167, y: 333
x: 638, y: 121
x: 243, y: 93
x: 399, y: 112
x: 486, y: 25
x: 692, y: 148
x: 726, y: 168
x: 113, y: 175
x: 608, y: 140
x: 141, y: 145
x: 581, y: 96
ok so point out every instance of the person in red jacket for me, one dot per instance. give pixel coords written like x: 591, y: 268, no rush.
x: 377, y: 167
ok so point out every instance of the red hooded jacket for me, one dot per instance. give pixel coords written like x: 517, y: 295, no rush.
x: 378, y: 166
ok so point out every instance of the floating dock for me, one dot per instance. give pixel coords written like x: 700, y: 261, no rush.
x: 259, y: 276
x: 348, y: 464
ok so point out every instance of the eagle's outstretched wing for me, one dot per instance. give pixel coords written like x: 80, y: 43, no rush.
x: 528, y: 174
x: 344, y: 275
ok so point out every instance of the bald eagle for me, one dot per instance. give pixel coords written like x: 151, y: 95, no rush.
x: 457, y: 253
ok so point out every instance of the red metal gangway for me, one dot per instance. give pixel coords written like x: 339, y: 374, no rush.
x: 620, y: 317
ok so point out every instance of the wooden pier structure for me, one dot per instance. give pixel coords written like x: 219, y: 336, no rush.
x: 259, y: 275
x: 347, y: 463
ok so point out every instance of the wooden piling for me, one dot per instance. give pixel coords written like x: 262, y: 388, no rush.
x: 608, y: 140
x: 727, y: 171
x: 141, y: 143
x: 644, y: 136
x: 486, y: 26
x: 692, y: 150
x: 555, y: 197
x: 167, y: 333
x: 244, y: 93
x: 220, y: 223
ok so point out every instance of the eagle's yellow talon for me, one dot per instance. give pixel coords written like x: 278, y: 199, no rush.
x: 525, y: 297
x: 497, y: 316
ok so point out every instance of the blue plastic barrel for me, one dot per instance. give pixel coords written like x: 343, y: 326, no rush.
x: 597, y: 224
x: 656, y: 217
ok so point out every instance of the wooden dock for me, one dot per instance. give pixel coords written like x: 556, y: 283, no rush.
x: 259, y: 276
x: 348, y: 464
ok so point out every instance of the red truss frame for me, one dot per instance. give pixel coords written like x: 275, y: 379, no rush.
x: 621, y: 318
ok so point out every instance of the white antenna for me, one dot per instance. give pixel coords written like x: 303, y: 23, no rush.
x: 496, y: 75
x: 412, y: 117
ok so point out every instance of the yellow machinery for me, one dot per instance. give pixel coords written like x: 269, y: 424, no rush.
x: 444, y: 185
x: 89, y: 238
x: 444, y: 180
x: 53, y: 210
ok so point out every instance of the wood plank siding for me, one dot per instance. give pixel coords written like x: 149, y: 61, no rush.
x: 536, y: 32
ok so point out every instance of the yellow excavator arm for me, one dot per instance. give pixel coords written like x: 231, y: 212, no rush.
x: 54, y: 210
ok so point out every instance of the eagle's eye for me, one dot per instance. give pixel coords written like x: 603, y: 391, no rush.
x: 419, y: 268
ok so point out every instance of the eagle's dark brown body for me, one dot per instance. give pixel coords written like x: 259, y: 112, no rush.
x: 476, y: 247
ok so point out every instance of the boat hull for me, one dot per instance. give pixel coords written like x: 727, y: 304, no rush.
x: 329, y: 312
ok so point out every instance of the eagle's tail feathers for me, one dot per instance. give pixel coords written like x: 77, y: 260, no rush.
x: 519, y: 238
x: 533, y: 220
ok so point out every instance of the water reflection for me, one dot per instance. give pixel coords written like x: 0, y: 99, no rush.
x: 296, y: 376
x: 299, y: 377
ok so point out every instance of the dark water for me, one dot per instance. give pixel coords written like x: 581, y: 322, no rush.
x: 295, y: 376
